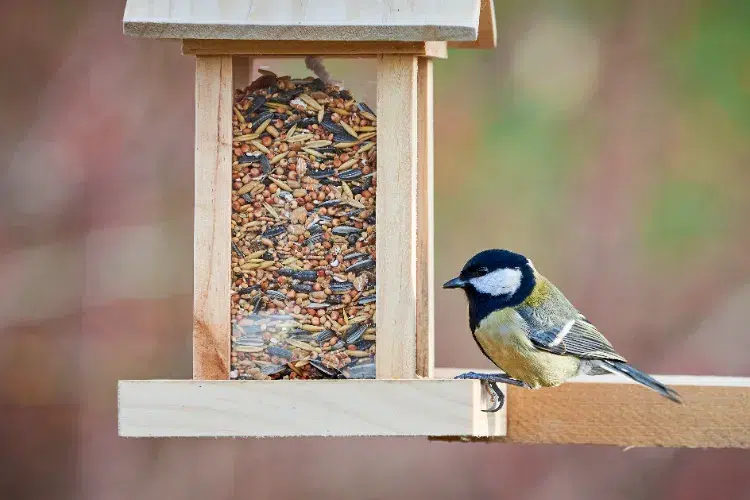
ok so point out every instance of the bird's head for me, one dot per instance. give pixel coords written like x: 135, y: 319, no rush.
x: 502, y: 276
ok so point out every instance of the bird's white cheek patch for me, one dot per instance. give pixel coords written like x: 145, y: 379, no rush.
x: 499, y: 282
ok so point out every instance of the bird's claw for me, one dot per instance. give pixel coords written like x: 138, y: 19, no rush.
x: 496, y: 395
x: 493, y: 377
x: 489, y: 382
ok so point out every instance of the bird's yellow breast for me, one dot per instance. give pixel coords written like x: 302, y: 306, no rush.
x: 503, y: 338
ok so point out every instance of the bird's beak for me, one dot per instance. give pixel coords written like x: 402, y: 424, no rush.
x: 454, y: 283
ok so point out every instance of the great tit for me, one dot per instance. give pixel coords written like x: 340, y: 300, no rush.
x: 529, y: 330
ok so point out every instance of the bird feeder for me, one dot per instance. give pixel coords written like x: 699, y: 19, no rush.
x: 306, y: 172
x: 292, y: 176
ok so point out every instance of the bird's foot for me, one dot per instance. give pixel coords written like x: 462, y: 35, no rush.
x: 496, y: 396
x: 489, y: 382
x: 492, y: 377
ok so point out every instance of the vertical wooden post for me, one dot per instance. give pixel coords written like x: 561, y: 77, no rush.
x: 396, y: 314
x: 213, y: 211
x: 242, y: 71
x: 425, y: 223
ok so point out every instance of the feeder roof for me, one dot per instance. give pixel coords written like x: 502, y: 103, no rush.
x: 330, y: 20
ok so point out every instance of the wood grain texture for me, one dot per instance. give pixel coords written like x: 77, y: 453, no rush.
x: 396, y: 212
x: 173, y: 408
x: 415, y: 20
x: 611, y: 410
x: 242, y: 70
x: 212, y: 243
x: 296, y: 48
x: 425, y: 223
x: 487, y: 37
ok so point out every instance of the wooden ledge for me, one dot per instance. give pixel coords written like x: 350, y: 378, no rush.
x: 254, y: 408
x: 295, y: 48
x: 606, y: 410
x: 612, y: 410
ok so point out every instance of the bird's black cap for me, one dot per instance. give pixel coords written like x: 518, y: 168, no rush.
x: 487, y: 261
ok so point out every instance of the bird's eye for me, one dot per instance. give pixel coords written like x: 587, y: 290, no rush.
x: 479, y: 271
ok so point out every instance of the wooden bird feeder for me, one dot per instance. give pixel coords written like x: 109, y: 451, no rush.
x: 407, y: 396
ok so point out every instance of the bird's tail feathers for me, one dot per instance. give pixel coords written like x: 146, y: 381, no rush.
x: 642, y: 378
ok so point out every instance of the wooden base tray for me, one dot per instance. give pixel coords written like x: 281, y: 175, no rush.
x: 279, y: 408
x: 607, y: 410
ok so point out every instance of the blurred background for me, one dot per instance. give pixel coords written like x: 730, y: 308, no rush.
x: 607, y: 140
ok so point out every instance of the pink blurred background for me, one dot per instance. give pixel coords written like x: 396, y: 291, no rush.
x: 606, y: 140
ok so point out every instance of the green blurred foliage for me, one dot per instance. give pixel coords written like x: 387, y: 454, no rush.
x: 707, y: 59
x: 684, y: 215
x: 706, y: 72
x: 527, y: 155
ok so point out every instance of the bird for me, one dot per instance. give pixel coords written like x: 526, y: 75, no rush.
x: 528, y: 328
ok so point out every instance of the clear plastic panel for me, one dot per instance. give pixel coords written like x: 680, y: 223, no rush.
x: 303, y: 232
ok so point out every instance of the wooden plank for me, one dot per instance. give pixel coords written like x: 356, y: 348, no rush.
x: 425, y: 223
x: 296, y: 48
x: 487, y: 37
x: 416, y: 20
x: 396, y: 206
x: 242, y: 70
x: 270, y: 408
x: 213, y: 184
x: 612, y: 410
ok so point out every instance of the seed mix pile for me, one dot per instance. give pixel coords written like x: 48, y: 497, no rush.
x: 303, y: 232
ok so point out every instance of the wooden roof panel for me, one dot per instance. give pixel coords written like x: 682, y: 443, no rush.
x: 487, y: 38
x: 334, y: 20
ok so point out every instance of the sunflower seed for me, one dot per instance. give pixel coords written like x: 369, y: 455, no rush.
x: 279, y: 352
x: 350, y: 175
x: 340, y: 287
x: 273, y: 231
x: 362, y: 265
x: 346, y: 230
x: 355, y: 333
x: 275, y: 295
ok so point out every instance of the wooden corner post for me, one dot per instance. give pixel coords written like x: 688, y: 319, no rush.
x: 396, y: 212
x: 213, y: 211
x: 425, y: 224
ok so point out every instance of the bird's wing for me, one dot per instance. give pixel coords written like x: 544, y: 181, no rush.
x: 576, y: 337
